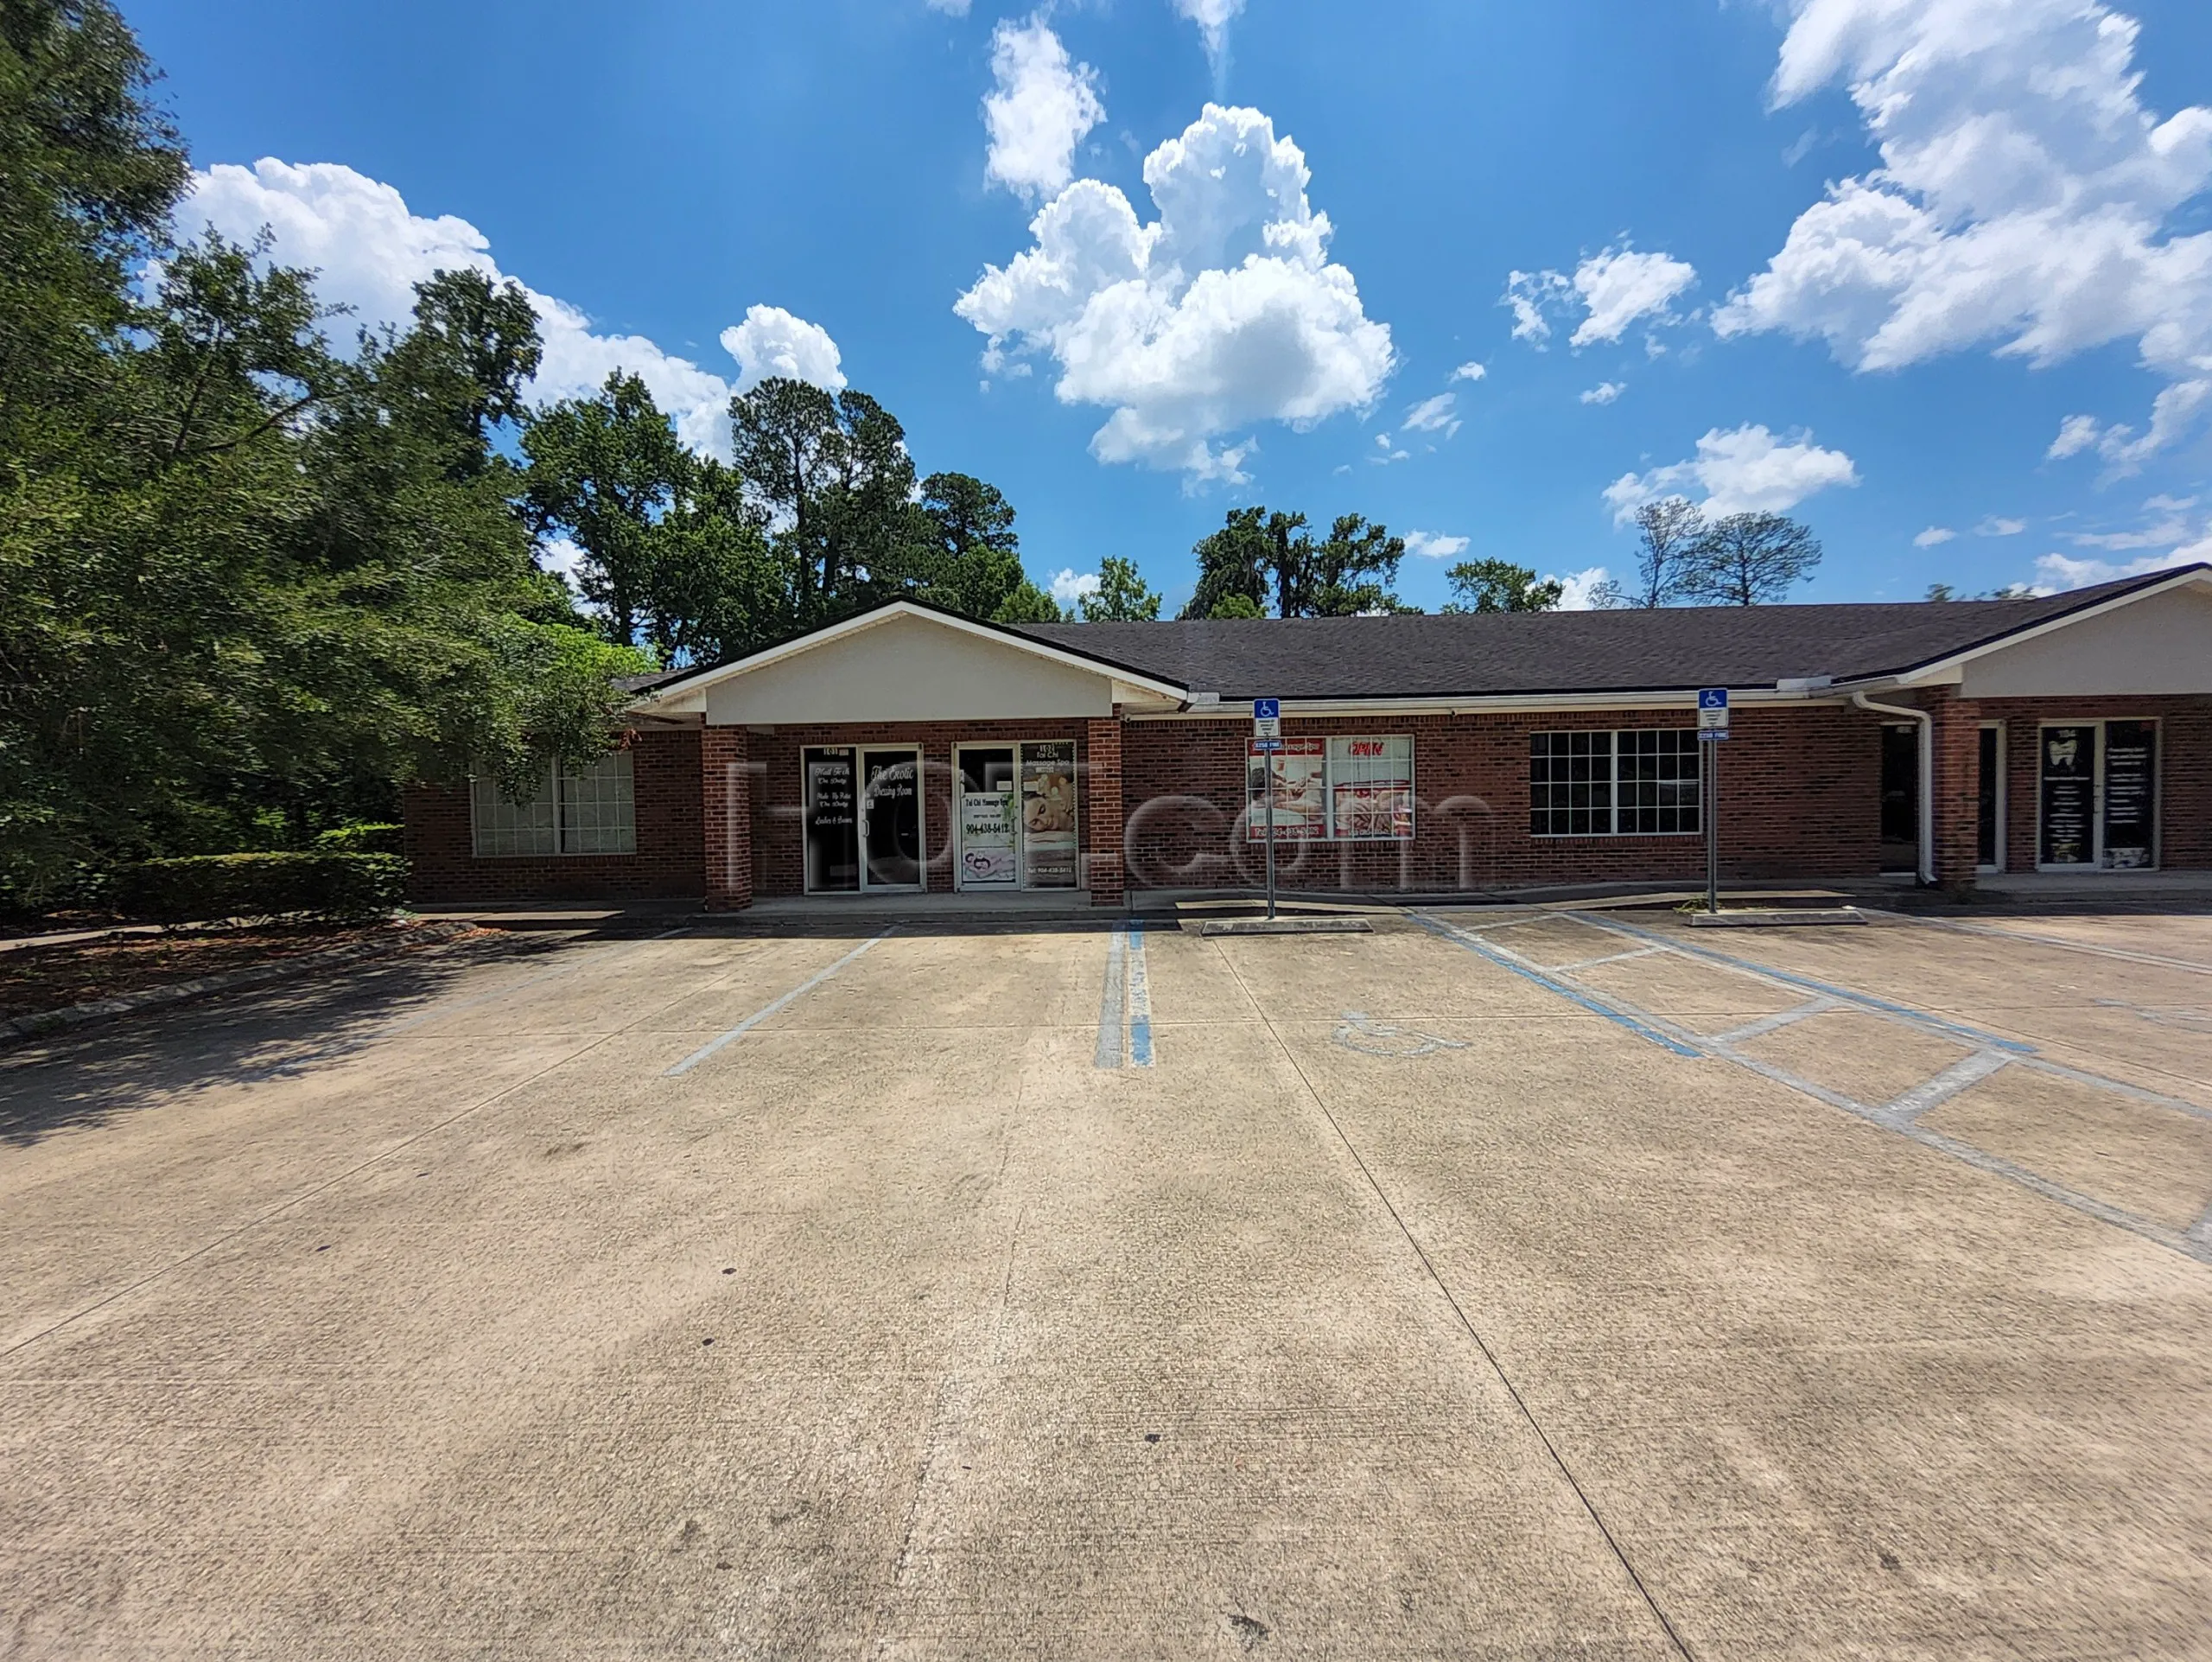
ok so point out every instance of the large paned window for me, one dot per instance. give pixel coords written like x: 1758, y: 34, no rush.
x: 1359, y: 788
x: 1637, y: 782
x: 593, y: 811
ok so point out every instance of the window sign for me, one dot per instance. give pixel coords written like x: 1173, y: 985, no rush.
x: 987, y: 840
x: 833, y: 832
x: 1297, y: 768
x: 1371, y: 789
x: 1048, y: 821
x: 2130, y: 794
x: 2069, y: 795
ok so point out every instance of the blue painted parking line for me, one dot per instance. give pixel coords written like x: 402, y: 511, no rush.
x: 1140, y: 996
x: 1959, y: 1030
x: 1482, y: 949
x: 1109, y: 1004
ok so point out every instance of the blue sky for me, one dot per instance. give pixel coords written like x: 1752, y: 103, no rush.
x: 1899, y: 267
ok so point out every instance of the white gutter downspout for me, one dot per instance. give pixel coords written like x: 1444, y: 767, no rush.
x: 1927, y: 777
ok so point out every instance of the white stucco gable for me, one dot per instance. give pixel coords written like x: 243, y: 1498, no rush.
x: 904, y: 663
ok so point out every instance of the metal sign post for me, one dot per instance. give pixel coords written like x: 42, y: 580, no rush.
x: 1267, y: 739
x: 1712, y: 727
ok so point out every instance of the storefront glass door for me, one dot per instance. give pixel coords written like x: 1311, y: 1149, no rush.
x: 990, y: 818
x: 891, y: 819
x: 831, y: 821
x: 2098, y: 796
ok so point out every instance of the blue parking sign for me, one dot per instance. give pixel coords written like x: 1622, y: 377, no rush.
x: 1713, y: 698
x: 1267, y: 710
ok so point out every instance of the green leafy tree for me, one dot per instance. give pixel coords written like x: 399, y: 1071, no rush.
x: 1347, y: 573
x: 1029, y: 604
x: 1751, y: 559
x: 1255, y: 550
x: 1235, y: 561
x: 605, y: 470
x: 1501, y: 586
x: 1230, y: 606
x: 968, y: 557
x: 1121, y: 596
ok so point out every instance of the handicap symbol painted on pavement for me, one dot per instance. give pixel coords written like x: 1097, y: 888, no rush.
x: 1369, y: 1038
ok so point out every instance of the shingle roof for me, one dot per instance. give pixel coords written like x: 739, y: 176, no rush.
x: 1507, y: 653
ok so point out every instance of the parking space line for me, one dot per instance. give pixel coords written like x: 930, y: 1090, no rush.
x: 1521, y: 966
x: 1610, y: 957
x: 1932, y: 1093
x: 1974, y: 1036
x: 767, y: 1010
x: 1109, y: 1004
x: 1139, y: 992
x: 1774, y: 1023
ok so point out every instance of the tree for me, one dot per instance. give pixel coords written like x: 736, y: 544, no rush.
x: 1029, y: 604
x: 473, y: 350
x: 1121, y: 596
x: 971, y: 559
x: 1749, y: 560
x: 1348, y: 573
x: 1668, y: 532
x: 1235, y: 606
x: 1234, y: 561
x: 604, y: 470
x: 1501, y: 586
x: 1941, y: 591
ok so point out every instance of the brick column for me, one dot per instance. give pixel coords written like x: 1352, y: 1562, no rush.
x: 726, y: 819
x: 1104, y: 862
x: 1956, y: 736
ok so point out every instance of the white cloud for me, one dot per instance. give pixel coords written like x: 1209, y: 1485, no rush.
x: 1741, y: 470
x: 1213, y: 18
x: 1432, y: 545
x: 371, y: 251
x: 1605, y: 392
x: 2171, y: 413
x: 1043, y: 106
x: 1619, y: 286
x: 1934, y: 535
x: 1070, y: 585
x: 1434, y: 415
x: 2058, y: 572
x: 1222, y: 313
x: 2026, y: 199
x: 950, y: 8
x: 1613, y: 288
x: 1997, y: 525
x: 1470, y: 372
x: 772, y: 342
x: 1578, y: 589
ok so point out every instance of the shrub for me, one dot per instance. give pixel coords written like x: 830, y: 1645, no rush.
x: 331, y: 888
x: 359, y: 837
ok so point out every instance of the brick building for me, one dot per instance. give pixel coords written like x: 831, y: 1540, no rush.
x: 907, y: 748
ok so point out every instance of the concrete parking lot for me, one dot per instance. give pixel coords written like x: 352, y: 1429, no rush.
x: 1502, y: 1283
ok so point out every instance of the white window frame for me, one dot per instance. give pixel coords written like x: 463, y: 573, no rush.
x: 861, y: 753
x: 2096, y: 863
x: 1612, y: 737
x: 551, y: 794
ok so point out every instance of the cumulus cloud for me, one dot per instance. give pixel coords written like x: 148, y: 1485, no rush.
x: 1070, y: 585
x: 1043, y: 105
x: 2027, y: 198
x: 1739, y: 470
x: 1434, y: 415
x: 1934, y: 535
x: 1222, y: 313
x: 772, y: 342
x: 371, y: 251
x: 1469, y: 373
x: 2172, y: 412
x: 1605, y: 392
x: 1581, y: 591
x: 1433, y: 545
x: 1612, y: 288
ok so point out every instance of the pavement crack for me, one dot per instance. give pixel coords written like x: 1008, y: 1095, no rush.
x: 1520, y: 1403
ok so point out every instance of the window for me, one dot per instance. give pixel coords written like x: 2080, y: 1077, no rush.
x: 593, y: 812
x: 1355, y: 789
x: 1639, y: 782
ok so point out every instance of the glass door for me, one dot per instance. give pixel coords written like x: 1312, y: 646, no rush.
x: 2066, y: 834
x: 1048, y: 822
x: 832, y: 826
x: 891, y: 819
x: 2128, y: 839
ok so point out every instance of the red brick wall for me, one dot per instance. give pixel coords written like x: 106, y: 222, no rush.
x: 778, y: 852
x: 2185, y: 769
x: 665, y: 770
x: 726, y: 818
x: 1800, y: 788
